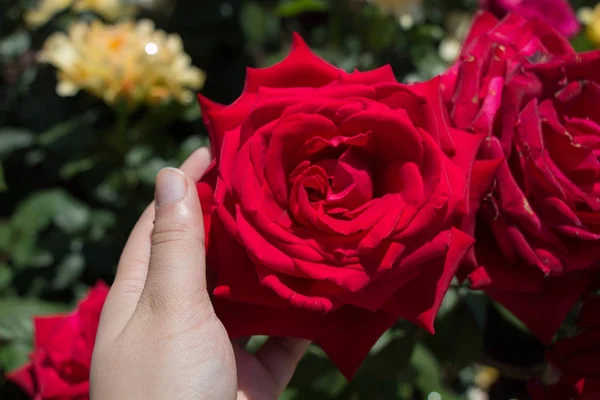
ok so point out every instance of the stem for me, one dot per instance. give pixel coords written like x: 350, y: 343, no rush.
x: 121, y: 134
x: 511, y: 371
x: 122, y: 124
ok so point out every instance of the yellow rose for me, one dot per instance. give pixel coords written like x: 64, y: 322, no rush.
x: 127, y: 61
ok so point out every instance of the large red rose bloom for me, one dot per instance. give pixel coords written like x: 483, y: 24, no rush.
x: 538, y: 232
x: 331, y: 204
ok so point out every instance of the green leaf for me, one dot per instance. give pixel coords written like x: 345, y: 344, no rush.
x: 34, y: 157
x: 25, y: 254
x: 190, y: 145
x: 396, y: 342
x: 109, y: 190
x: 329, y: 381
x: 451, y: 300
x: 14, y: 45
x: 71, y: 215
x: 427, y: 367
x: 146, y: 173
x: 14, y: 355
x: 60, y: 130
x: 458, y: 338
x: 316, y: 377
x: 429, y: 378
x: 191, y: 112
x: 72, y: 168
x: 16, y: 317
x: 289, y: 394
x: 255, y: 342
x: 581, y: 43
x: 68, y: 271
x: 6, y: 276
x: 137, y: 155
x: 16, y: 328
x: 12, y: 139
x: 511, y: 318
x: 293, y: 8
x: 100, y: 222
x: 478, y: 302
x: 38, y: 212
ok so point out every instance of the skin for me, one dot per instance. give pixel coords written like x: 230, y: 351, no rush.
x: 159, y: 337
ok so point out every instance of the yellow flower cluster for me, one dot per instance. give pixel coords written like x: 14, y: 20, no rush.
x: 128, y: 61
x: 591, y: 18
x: 46, y: 9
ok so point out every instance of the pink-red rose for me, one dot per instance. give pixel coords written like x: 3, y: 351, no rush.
x: 557, y: 13
x: 332, y: 198
x: 60, y: 363
x: 493, y: 52
x: 573, y: 370
x: 538, y: 227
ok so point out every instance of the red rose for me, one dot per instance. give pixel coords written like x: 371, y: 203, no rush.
x: 492, y: 53
x: 573, y: 370
x: 557, y: 13
x: 539, y: 225
x: 334, y: 196
x: 60, y: 362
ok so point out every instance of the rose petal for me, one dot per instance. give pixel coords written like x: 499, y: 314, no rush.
x: 420, y: 300
x: 300, y: 68
x: 544, y: 312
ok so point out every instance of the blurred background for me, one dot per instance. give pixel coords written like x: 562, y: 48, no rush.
x: 97, y: 95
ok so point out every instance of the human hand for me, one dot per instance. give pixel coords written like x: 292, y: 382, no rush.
x: 159, y: 338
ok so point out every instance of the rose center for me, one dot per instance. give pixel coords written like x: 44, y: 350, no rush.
x: 343, y: 183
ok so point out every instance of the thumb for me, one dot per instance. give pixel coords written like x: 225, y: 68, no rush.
x: 177, y: 271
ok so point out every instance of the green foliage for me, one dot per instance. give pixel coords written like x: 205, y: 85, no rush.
x: 458, y: 322
x: 16, y: 328
x: 295, y: 8
x: 75, y: 174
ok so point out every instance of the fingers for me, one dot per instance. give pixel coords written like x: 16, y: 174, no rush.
x: 133, y: 264
x: 176, y: 277
x: 197, y: 163
x: 129, y: 280
x: 280, y: 357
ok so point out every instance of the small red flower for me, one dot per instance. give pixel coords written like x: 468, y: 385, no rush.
x: 62, y: 355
